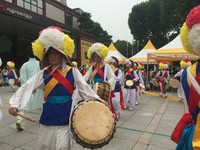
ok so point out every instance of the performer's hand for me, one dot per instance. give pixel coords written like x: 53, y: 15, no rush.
x: 107, y: 82
x: 13, y: 111
x: 106, y: 103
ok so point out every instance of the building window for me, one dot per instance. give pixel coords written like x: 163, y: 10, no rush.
x: 76, y: 24
x: 32, y: 5
x: 69, y: 19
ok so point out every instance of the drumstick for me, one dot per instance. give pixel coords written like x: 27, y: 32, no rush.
x: 26, y: 117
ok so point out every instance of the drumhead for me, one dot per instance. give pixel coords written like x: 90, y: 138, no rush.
x: 93, y: 124
x: 129, y: 82
x: 154, y: 82
x: 174, y: 83
x: 142, y: 85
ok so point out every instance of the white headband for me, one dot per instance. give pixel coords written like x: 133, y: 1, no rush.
x: 111, y: 60
x: 128, y: 62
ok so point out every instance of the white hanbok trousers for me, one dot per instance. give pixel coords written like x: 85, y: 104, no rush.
x: 54, y: 138
x: 129, y: 97
x: 116, y: 103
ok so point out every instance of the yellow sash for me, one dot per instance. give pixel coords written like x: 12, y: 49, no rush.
x: 53, y: 82
x: 127, y: 72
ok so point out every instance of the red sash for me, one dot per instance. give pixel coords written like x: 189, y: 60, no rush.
x: 99, y: 71
x: 163, y: 76
x: 111, y: 105
x: 62, y: 80
x: 130, y: 74
x: 122, y: 99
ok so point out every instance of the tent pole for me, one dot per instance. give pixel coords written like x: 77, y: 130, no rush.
x: 147, y: 79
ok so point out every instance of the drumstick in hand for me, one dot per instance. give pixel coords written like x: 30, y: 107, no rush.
x: 26, y: 117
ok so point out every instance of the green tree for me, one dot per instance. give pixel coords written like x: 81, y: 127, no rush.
x: 125, y: 48
x: 94, y: 28
x: 86, y: 24
x: 158, y: 20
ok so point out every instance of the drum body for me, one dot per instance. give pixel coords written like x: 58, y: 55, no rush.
x: 174, y: 83
x: 93, y: 124
x: 103, y: 90
x: 154, y: 82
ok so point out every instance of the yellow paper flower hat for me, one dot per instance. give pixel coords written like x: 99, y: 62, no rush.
x: 11, y: 64
x: 53, y: 37
x: 190, y: 32
x: 140, y: 66
x: 98, y: 48
x: 185, y: 63
x: 163, y: 65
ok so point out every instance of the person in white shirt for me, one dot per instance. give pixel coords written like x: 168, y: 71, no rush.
x: 183, y: 64
x: 63, y: 87
x: 163, y: 77
x: 118, y: 100
x: 100, y: 72
x: 12, y: 76
x: 27, y: 70
x: 130, y: 78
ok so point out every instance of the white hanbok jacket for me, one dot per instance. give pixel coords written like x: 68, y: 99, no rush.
x: 23, y: 94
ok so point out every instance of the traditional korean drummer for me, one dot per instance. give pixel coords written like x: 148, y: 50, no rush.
x: 163, y: 76
x: 183, y: 64
x: 130, y: 78
x: 63, y: 86
x: 99, y: 71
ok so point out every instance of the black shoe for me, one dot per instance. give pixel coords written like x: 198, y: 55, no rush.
x: 19, y: 126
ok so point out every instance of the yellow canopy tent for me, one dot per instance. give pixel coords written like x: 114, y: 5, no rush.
x: 112, y: 51
x: 173, y: 51
x: 142, y: 55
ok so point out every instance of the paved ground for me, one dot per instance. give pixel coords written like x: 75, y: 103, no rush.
x: 147, y: 127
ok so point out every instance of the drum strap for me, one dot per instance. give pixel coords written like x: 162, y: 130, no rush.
x: 62, y: 80
x: 121, y: 99
x: 111, y: 105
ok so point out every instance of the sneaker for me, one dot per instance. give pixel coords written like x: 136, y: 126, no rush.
x: 130, y: 108
x: 118, y: 116
x: 19, y: 126
x: 136, y: 103
x: 181, y: 100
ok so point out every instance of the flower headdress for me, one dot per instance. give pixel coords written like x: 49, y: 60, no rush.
x: 98, y: 48
x: 53, y: 37
x: 140, y: 66
x: 190, y: 32
x: 185, y: 63
x: 11, y: 64
x: 163, y: 65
